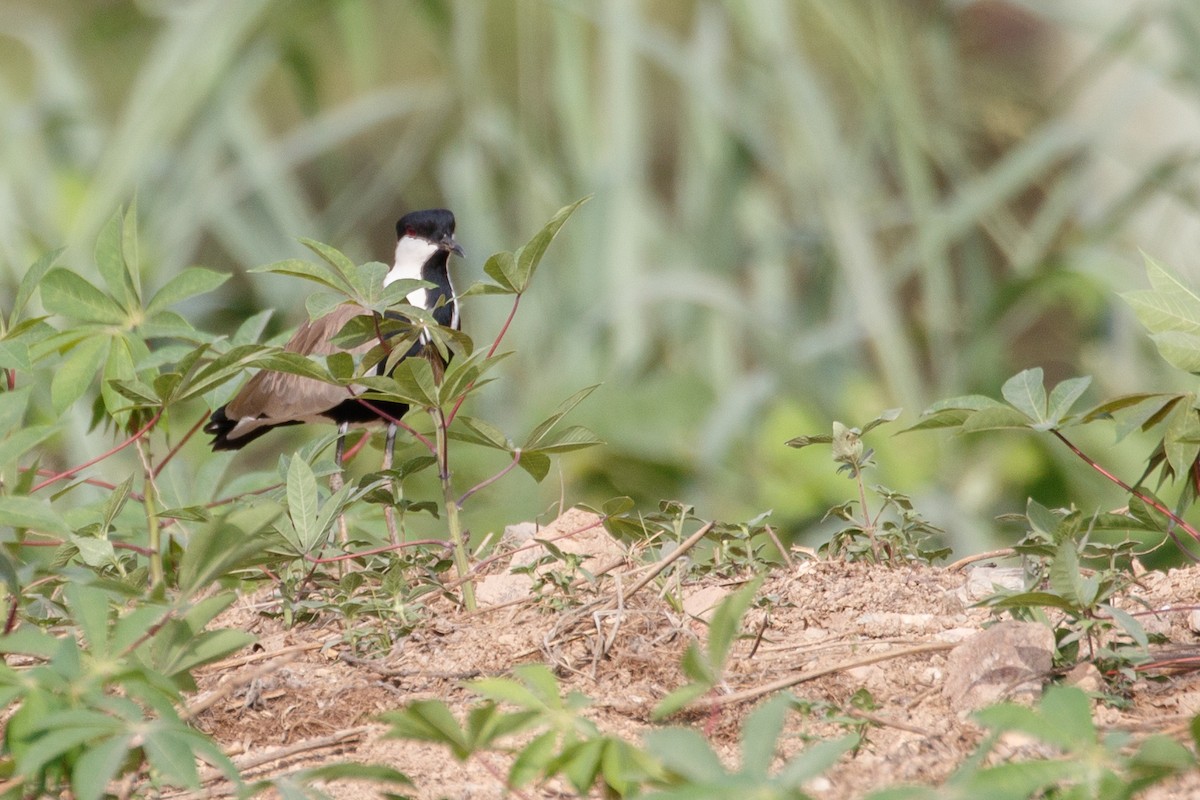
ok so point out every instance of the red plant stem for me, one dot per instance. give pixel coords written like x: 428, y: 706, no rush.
x: 135, y: 496
x: 69, y: 473
x: 483, y: 484
x: 491, y: 352
x: 351, y: 452
x: 1150, y: 501
x: 428, y: 444
x: 52, y: 542
x: 227, y: 500
x: 171, y: 453
x: 10, y: 377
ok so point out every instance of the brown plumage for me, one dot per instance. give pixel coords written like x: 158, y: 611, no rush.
x: 273, y: 399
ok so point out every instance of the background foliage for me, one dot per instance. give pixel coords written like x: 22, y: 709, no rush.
x: 803, y: 210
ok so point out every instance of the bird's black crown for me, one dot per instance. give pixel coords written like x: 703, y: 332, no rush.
x: 434, y: 224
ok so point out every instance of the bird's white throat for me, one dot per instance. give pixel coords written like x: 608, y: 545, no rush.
x: 411, y: 254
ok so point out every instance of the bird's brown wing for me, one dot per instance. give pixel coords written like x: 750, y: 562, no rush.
x: 272, y: 397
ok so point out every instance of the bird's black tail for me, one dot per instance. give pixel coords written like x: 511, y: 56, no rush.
x: 220, y: 426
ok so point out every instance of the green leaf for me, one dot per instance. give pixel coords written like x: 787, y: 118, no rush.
x: 19, y: 511
x: 12, y: 407
x: 188, y: 283
x: 564, y: 408
x: 502, y: 268
x: 815, y: 760
x: 110, y: 260
x: 530, y: 256
x: 532, y: 759
x: 1041, y: 519
x: 97, y: 765
x: 222, y: 546
x: 536, y: 464
x: 15, y: 355
x: 1181, y: 440
x: 686, y: 753
x: 302, y: 503
x: 1130, y: 625
x: 468, y: 371
x: 428, y: 721
x: 78, y: 371
x: 171, y: 754
x: 298, y: 268
x: 30, y: 282
x: 24, y: 439
x: 805, y: 441
x: 504, y: 690
x: 1033, y: 600
x: 760, y: 736
x: 342, y: 267
x: 118, y: 366
x: 1180, y: 349
x: 131, y: 253
x: 484, y: 288
x: 370, y: 773
x: 581, y: 764
x: 1001, y: 418
x: 890, y: 415
x: 1065, y: 394
x: 1026, y: 393
x: 95, y: 553
x: 575, y: 437
x: 727, y: 620
x: 1069, y: 714
x: 71, y: 296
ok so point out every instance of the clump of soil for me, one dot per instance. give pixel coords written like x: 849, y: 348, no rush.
x: 830, y: 630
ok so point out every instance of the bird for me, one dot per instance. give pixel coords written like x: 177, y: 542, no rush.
x: 424, y: 242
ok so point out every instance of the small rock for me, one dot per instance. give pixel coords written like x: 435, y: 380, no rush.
x: 1011, y: 658
x: 984, y: 581
x: 1085, y: 676
x: 701, y: 603
x: 1194, y: 621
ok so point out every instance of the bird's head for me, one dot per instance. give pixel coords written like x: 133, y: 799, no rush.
x: 434, y: 225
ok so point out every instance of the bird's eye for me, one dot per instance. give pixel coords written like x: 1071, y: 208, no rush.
x: 410, y: 231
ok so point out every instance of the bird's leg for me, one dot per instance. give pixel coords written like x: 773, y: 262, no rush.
x: 337, y: 480
x: 389, y: 513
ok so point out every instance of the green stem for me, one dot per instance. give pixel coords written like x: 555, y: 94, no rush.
x: 461, y: 564
x: 150, y: 502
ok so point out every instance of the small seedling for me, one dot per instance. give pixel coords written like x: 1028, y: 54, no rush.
x: 896, y: 532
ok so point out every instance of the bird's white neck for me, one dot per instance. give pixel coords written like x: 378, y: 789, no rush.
x: 411, y: 255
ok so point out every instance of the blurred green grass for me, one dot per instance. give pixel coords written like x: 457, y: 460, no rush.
x: 805, y: 211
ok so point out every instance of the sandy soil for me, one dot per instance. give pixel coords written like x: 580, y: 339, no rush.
x: 302, y: 698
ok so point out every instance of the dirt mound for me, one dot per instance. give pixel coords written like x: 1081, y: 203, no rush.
x: 825, y: 630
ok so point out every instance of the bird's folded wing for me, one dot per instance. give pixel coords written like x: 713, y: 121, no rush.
x: 272, y: 396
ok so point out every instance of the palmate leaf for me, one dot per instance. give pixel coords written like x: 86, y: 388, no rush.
x: 530, y: 256
x: 1181, y: 440
x: 188, y: 283
x: 536, y: 464
x: 68, y: 294
x: 538, y: 435
x: 110, y: 261
x: 428, y: 721
x: 299, y: 268
x: 1170, y: 311
x: 502, y: 268
x: 76, y: 373
x: 30, y: 282
x: 1026, y: 393
x: 342, y: 266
